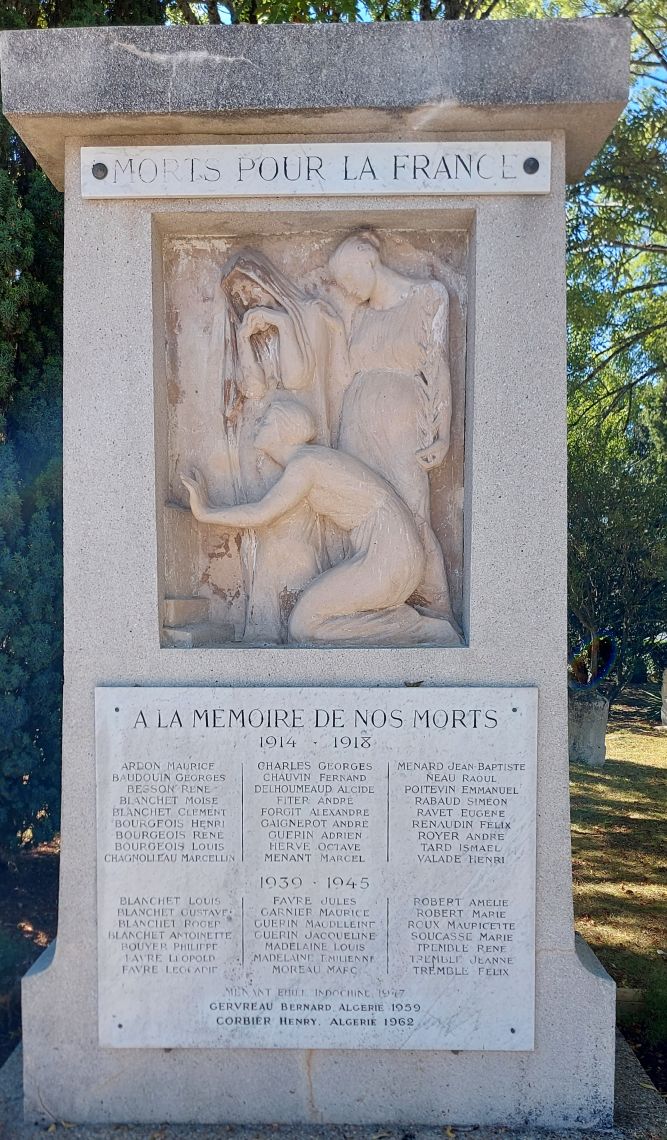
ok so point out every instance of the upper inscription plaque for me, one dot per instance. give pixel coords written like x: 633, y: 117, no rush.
x: 316, y: 868
x: 316, y: 169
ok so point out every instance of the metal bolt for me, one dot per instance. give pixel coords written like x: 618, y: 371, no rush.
x: 101, y: 171
x: 531, y: 166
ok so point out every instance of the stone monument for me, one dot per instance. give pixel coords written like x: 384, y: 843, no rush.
x: 315, y: 839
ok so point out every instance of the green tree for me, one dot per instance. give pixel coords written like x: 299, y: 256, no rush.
x: 617, y: 546
x: 617, y: 375
x: 618, y: 268
x: 30, y: 529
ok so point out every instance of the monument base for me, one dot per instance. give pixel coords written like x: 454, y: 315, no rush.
x: 566, y: 1082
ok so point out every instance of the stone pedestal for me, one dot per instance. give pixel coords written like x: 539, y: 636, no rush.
x: 134, y: 613
x: 588, y: 713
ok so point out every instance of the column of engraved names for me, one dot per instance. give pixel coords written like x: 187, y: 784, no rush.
x: 316, y: 811
x: 172, y: 822
x: 456, y: 815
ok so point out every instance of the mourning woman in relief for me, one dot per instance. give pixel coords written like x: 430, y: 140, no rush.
x: 397, y: 412
x: 277, y: 340
x: 363, y: 599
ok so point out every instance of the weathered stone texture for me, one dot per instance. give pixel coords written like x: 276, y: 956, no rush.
x: 528, y: 75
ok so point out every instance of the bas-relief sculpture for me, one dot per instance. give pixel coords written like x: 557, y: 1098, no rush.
x: 361, y: 599
x: 335, y: 408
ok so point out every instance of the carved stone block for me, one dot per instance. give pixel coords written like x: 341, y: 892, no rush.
x: 364, y: 331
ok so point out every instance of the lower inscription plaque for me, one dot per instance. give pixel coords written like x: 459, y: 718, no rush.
x: 316, y: 868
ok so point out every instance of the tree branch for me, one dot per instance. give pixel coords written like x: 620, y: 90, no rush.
x: 613, y: 395
x: 641, y: 288
x: 612, y: 351
x: 649, y: 43
x: 187, y: 13
x: 487, y: 11
x: 650, y: 247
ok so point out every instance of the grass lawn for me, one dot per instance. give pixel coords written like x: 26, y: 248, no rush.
x: 619, y: 851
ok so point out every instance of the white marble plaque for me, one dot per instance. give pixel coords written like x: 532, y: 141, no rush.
x: 316, y: 169
x: 316, y: 868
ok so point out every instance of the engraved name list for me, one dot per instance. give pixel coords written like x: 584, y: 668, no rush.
x: 323, y: 868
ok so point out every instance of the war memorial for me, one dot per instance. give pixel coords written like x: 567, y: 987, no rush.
x: 315, y: 841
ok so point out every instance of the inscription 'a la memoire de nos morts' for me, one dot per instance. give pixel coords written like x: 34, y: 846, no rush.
x: 290, y: 719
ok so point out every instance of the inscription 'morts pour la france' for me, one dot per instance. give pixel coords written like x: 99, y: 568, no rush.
x: 316, y: 868
x: 316, y: 169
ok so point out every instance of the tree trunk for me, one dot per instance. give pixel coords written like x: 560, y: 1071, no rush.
x: 663, y: 711
x: 595, y: 655
x: 588, y: 712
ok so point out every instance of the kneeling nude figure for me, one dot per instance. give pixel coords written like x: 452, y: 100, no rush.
x: 361, y: 600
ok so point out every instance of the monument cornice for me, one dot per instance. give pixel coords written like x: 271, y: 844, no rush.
x: 305, y: 80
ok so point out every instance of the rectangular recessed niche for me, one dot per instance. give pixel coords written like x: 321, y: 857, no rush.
x: 255, y: 322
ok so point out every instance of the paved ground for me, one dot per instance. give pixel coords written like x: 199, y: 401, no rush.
x: 641, y: 1114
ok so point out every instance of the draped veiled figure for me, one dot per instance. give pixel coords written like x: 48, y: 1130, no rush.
x: 276, y: 340
x: 397, y: 411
